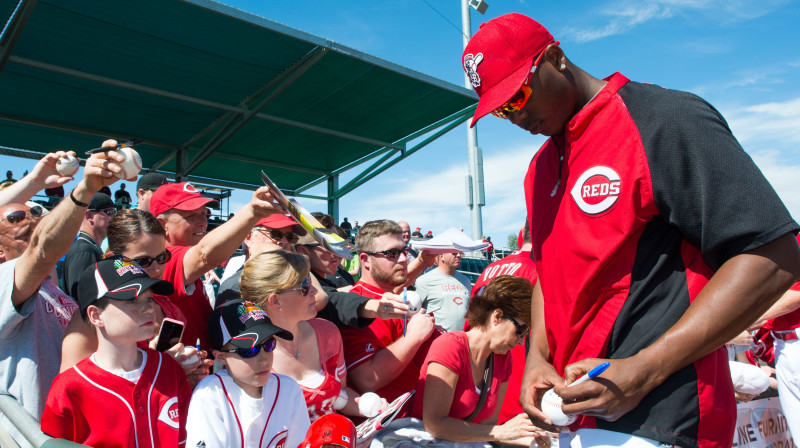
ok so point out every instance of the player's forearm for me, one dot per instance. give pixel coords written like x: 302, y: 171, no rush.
x: 788, y: 302
x: 744, y: 287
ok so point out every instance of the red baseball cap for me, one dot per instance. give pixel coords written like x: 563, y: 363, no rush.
x: 278, y: 221
x: 499, y: 57
x: 182, y: 196
x: 331, y: 428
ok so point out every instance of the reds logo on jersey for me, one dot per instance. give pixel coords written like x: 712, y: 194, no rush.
x: 169, y: 413
x: 597, y: 190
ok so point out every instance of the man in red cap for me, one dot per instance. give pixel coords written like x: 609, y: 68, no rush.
x: 647, y: 256
x: 275, y: 232
x: 181, y: 209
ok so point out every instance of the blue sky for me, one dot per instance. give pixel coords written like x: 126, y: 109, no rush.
x: 742, y: 56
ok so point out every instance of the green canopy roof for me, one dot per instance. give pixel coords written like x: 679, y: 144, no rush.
x: 215, y: 93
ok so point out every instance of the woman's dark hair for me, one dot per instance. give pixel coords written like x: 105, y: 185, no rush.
x: 128, y: 225
x: 509, y: 294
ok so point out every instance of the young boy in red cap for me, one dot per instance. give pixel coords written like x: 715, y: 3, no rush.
x: 121, y: 395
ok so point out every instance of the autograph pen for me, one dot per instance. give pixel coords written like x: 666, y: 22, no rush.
x: 129, y: 143
x: 592, y: 374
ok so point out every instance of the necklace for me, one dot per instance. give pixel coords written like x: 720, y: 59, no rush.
x: 296, y: 355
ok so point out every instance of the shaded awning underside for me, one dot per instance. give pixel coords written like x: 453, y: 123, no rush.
x: 216, y: 94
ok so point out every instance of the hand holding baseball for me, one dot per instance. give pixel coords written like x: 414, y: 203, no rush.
x: 102, y: 167
x: 46, y: 174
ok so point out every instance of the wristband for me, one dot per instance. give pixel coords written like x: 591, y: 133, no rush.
x: 77, y: 202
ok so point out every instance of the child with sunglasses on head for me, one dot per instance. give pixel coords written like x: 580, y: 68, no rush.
x: 137, y: 235
x: 121, y: 395
x: 246, y: 404
x: 279, y: 281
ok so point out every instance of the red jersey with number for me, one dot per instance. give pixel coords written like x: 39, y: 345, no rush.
x: 93, y: 407
x: 632, y: 210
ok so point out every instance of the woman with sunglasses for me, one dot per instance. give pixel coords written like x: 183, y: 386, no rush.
x: 137, y: 235
x: 279, y: 282
x: 465, y: 375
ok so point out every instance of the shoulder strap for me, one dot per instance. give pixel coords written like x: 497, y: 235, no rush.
x: 487, y: 378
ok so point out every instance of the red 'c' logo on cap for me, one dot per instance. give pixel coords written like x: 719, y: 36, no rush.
x: 471, y: 67
x: 597, y: 190
x: 189, y: 188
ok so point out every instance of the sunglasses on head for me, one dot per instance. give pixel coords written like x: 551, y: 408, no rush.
x: 268, y: 346
x: 522, y: 329
x: 277, y: 235
x: 304, y: 287
x: 18, y: 216
x: 390, y: 254
x: 161, y: 258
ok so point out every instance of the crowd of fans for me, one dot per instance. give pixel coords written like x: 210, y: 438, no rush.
x: 294, y: 333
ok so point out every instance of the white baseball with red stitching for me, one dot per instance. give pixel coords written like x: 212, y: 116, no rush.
x: 132, y: 164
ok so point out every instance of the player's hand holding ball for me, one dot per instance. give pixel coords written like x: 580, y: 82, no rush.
x: 131, y: 165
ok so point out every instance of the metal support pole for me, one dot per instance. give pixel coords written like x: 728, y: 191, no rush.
x: 475, y: 168
x: 333, y: 200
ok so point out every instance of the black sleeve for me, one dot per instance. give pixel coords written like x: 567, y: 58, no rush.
x: 342, y: 309
x: 75, y: 262
x: 703, y: 181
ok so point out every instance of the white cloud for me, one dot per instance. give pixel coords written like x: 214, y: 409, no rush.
x: 624, y: 16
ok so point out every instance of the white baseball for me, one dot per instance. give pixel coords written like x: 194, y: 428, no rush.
x: 414, y: 302
x: 341, y: 400
x: 190, y: 360
x: 132, y: 164
x: 369, y: 404
x: 67, y: 166
x: 551, y: 405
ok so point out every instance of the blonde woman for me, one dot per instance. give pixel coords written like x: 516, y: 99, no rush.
x: 279, y: 282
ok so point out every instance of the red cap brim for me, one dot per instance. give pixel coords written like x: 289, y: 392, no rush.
x: 502, y: 91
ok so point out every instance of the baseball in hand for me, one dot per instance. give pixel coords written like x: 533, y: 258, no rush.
x: 190, y: 360
x: 369, y: 405
x: 414, y: 302
x: 67, y: 166
x: 132, y: 164
x: 551, y: 405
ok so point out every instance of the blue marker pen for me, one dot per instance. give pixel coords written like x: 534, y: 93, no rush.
x: 197, y: 345
x: 592, y: 374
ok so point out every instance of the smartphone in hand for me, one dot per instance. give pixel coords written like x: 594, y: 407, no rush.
x: 170, y: 334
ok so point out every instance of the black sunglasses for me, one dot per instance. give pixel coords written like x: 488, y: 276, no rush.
x: 268, y: 346
x: 390, y: 254
x: 18, y: 216
x: 522, y: 329
x: 107, y: 211
x: 305, y: 286
x: 276, y: 235
x: 161, y: 258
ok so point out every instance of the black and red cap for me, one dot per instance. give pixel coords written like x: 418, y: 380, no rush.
x: 242, y: 323
x: 117, y: 278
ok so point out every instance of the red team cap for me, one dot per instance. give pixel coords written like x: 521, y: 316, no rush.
x: 182, y: 196
x: 335, y: 429
x: 278, y: 221
x: 499, y: 57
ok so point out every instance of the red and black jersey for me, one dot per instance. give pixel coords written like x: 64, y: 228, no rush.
x: 632, y: 209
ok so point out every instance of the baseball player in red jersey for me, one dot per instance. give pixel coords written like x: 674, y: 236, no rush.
x: 518, y: 264
x: 246, y: 404
x: 120, y: 395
